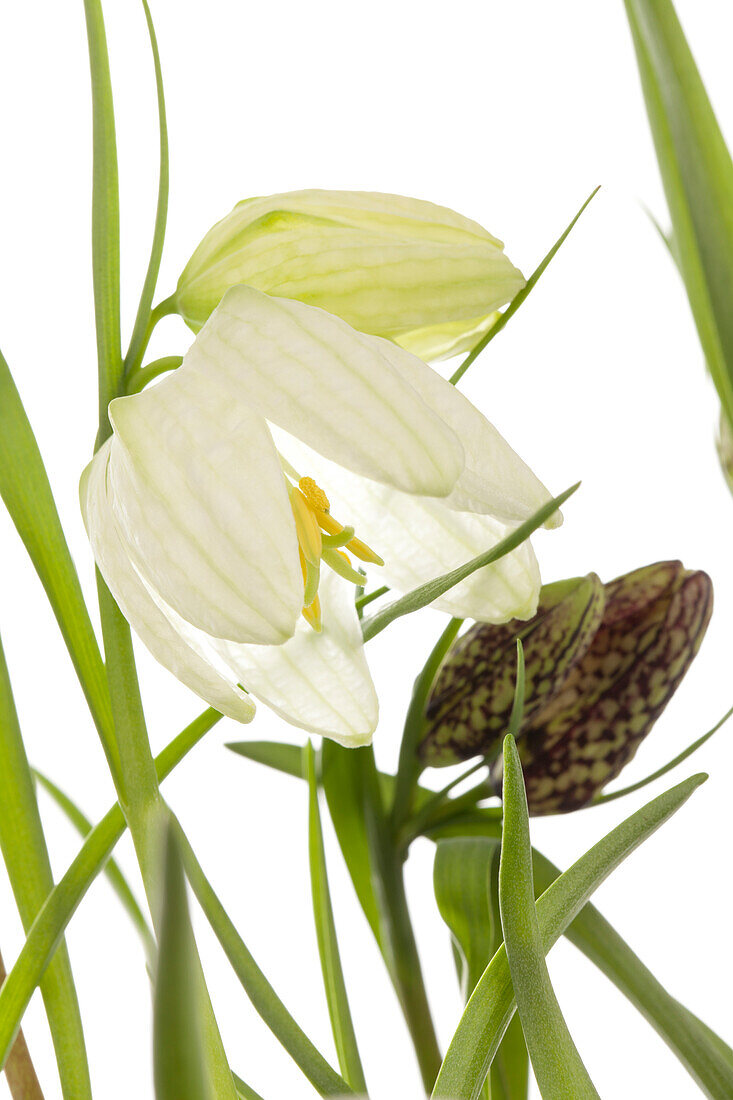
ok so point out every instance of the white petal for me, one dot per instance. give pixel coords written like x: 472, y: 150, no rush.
x: 495, y: 480
x: 214, y: 685
x: 318, y: 682
x: 421, y: 538
x: 337, y: 389
x: 200, y: 499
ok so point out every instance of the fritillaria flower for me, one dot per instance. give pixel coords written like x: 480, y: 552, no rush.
x: 231, y: 506
x: 602, y: 662
x: 419, y: 274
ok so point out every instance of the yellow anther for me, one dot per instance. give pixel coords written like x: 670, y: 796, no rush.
x: 312, y: 615
x: 330, y: 525
x: 306, y: 526
x: 314, y: 494
x: 365, y: 553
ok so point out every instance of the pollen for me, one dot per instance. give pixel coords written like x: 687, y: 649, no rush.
x: 314, y: 494
x: 323, y: 540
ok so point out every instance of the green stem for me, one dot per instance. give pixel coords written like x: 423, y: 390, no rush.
x: 139, y: 379
x: 409, y: 767
x: 398, y: 938
x: 105, y: 218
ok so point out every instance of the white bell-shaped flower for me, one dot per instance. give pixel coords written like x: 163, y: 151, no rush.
x: 225, y: 506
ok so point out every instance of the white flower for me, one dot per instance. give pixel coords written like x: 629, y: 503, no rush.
x: 191, y: 508
x: 420, y: 274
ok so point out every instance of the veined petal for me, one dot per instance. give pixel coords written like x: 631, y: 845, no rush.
x: 434, y: 342
x: 318, y: 682
x: 421, y: 538
x: 213, y: 684
x: 337, y: 389
x: 495, y: 480
x: 201, y: 503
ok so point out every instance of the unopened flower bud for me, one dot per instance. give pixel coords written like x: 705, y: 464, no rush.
x: 419, y: 274
x: 607, y: 689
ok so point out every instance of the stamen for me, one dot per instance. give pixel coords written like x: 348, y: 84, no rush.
x: 364, y: 552
x: 314, y: 494
x: 320, y: 537
x: 312, y: 615
x: 307, y: 529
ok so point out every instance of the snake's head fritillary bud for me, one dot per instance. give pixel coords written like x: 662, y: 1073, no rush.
x: 602, y: 662
x: 418, y: 274
x: 469, y: 707
x: 653, y: 624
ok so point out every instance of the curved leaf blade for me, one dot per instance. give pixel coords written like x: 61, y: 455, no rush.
x: 558, y: 1067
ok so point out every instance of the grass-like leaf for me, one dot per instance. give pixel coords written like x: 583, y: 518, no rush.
x: 333, y: 975
x: 26, y: 859
x: 427, y: 593
x: 697, y: 173
x: 264, y: 998
x: 518, y: 298
x: 558, y: 1067
x: 491, y: 1006
x: 274, y: 754
x: 140, y: 328
x: 26, y: 492
x: 179, y: 1058
x: 60, y: 905
x: 112, y: 869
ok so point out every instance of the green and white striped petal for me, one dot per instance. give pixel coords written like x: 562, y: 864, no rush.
x: 421, y: 538
x: 338, y: 390
x: 318, y: 682
x: 202, y: 672
x: 201, y: 503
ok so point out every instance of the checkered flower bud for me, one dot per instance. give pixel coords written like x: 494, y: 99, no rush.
x: 602, y: 663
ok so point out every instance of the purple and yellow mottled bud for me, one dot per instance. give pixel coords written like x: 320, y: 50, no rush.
x: 408, y: 270
x: 471, y: 701
x: 609, y: 683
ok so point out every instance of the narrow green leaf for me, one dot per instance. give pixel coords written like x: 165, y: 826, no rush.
x: 24, y: 850
x: 612, y: 795
x: 703, y: 1053
x: 112, y: 870
x: 105, y: 217
x: 519, y: 298
x: 20, y: 1074
x: 409, y: 765
x: 432, y: 590
x: 60, y: 904
x: 491, y: 1006
x: 26, y: 492
x: 697, y: 173
x: 466, y: 884
x: 274, y: 754
x: 245, y: 1091
x: 179, y: 1058
x: 140, y: 329
x: 343, y: 776
x: 462, y: 881
x: 558, y: 1067
x: 333, y: 976
x: 263, y: 997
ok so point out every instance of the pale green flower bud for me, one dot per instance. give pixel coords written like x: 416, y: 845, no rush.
x: 418, y: 274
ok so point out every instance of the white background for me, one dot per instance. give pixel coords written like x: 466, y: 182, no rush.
x: 510, y: 113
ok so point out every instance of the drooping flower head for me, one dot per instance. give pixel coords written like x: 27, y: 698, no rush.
x: 243, y: 489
